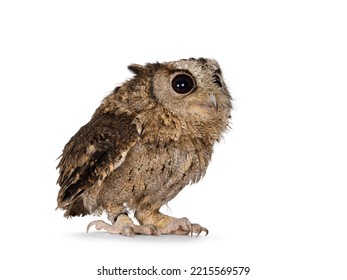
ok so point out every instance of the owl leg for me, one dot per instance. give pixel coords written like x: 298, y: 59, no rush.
x: 170, y: 225
x: 123, y: 225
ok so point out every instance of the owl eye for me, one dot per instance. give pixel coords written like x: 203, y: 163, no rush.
x: 217, y: 80
x: 183, y: 83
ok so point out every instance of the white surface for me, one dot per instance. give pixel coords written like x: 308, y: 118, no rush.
x: 274, y: 197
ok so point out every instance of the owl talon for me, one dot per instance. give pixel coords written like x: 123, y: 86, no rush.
x: 145, y: 230
x: 183, y: 227
x: 127, y: 231
x: 124, y: 229
x: 98, y: 225
x: 199, y: 229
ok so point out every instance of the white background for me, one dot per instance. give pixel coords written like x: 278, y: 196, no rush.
x: 274, y: 197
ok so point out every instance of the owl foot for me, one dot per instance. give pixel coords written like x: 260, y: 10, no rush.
x: 182, y: 226
x: 127, y: 229
x: 120, y: 229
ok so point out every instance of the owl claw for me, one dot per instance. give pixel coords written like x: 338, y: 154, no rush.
x: 96, y: 224
x: 183, y: 227
x: 177, y: 226
x: 124, y: 229
x: 199, y: 229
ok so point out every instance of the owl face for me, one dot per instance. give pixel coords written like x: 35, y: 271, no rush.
x: 192, y: 88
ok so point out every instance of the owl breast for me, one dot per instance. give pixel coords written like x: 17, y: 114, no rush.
x: 153, y: 174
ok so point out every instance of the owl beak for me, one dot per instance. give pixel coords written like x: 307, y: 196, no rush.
x: 213, y: 101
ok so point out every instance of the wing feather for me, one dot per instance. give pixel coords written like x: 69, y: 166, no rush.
x: 97, y: 149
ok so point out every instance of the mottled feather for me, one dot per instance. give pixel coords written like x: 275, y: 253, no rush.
x: 93, y: 153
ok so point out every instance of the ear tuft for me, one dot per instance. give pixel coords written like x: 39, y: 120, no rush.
x: 137, y: 69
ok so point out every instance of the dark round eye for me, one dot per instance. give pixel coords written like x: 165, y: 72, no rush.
x: 217, y: 80
x: 183, y: 83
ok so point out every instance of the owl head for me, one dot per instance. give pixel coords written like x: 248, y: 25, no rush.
x: 190, y: 88
x: 185, y: 97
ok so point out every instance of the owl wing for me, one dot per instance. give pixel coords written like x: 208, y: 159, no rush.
x: 93, y: 153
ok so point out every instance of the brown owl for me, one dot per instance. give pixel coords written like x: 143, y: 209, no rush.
x: 148, y: 139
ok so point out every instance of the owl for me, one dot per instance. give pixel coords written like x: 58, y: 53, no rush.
x: 149, y: 138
